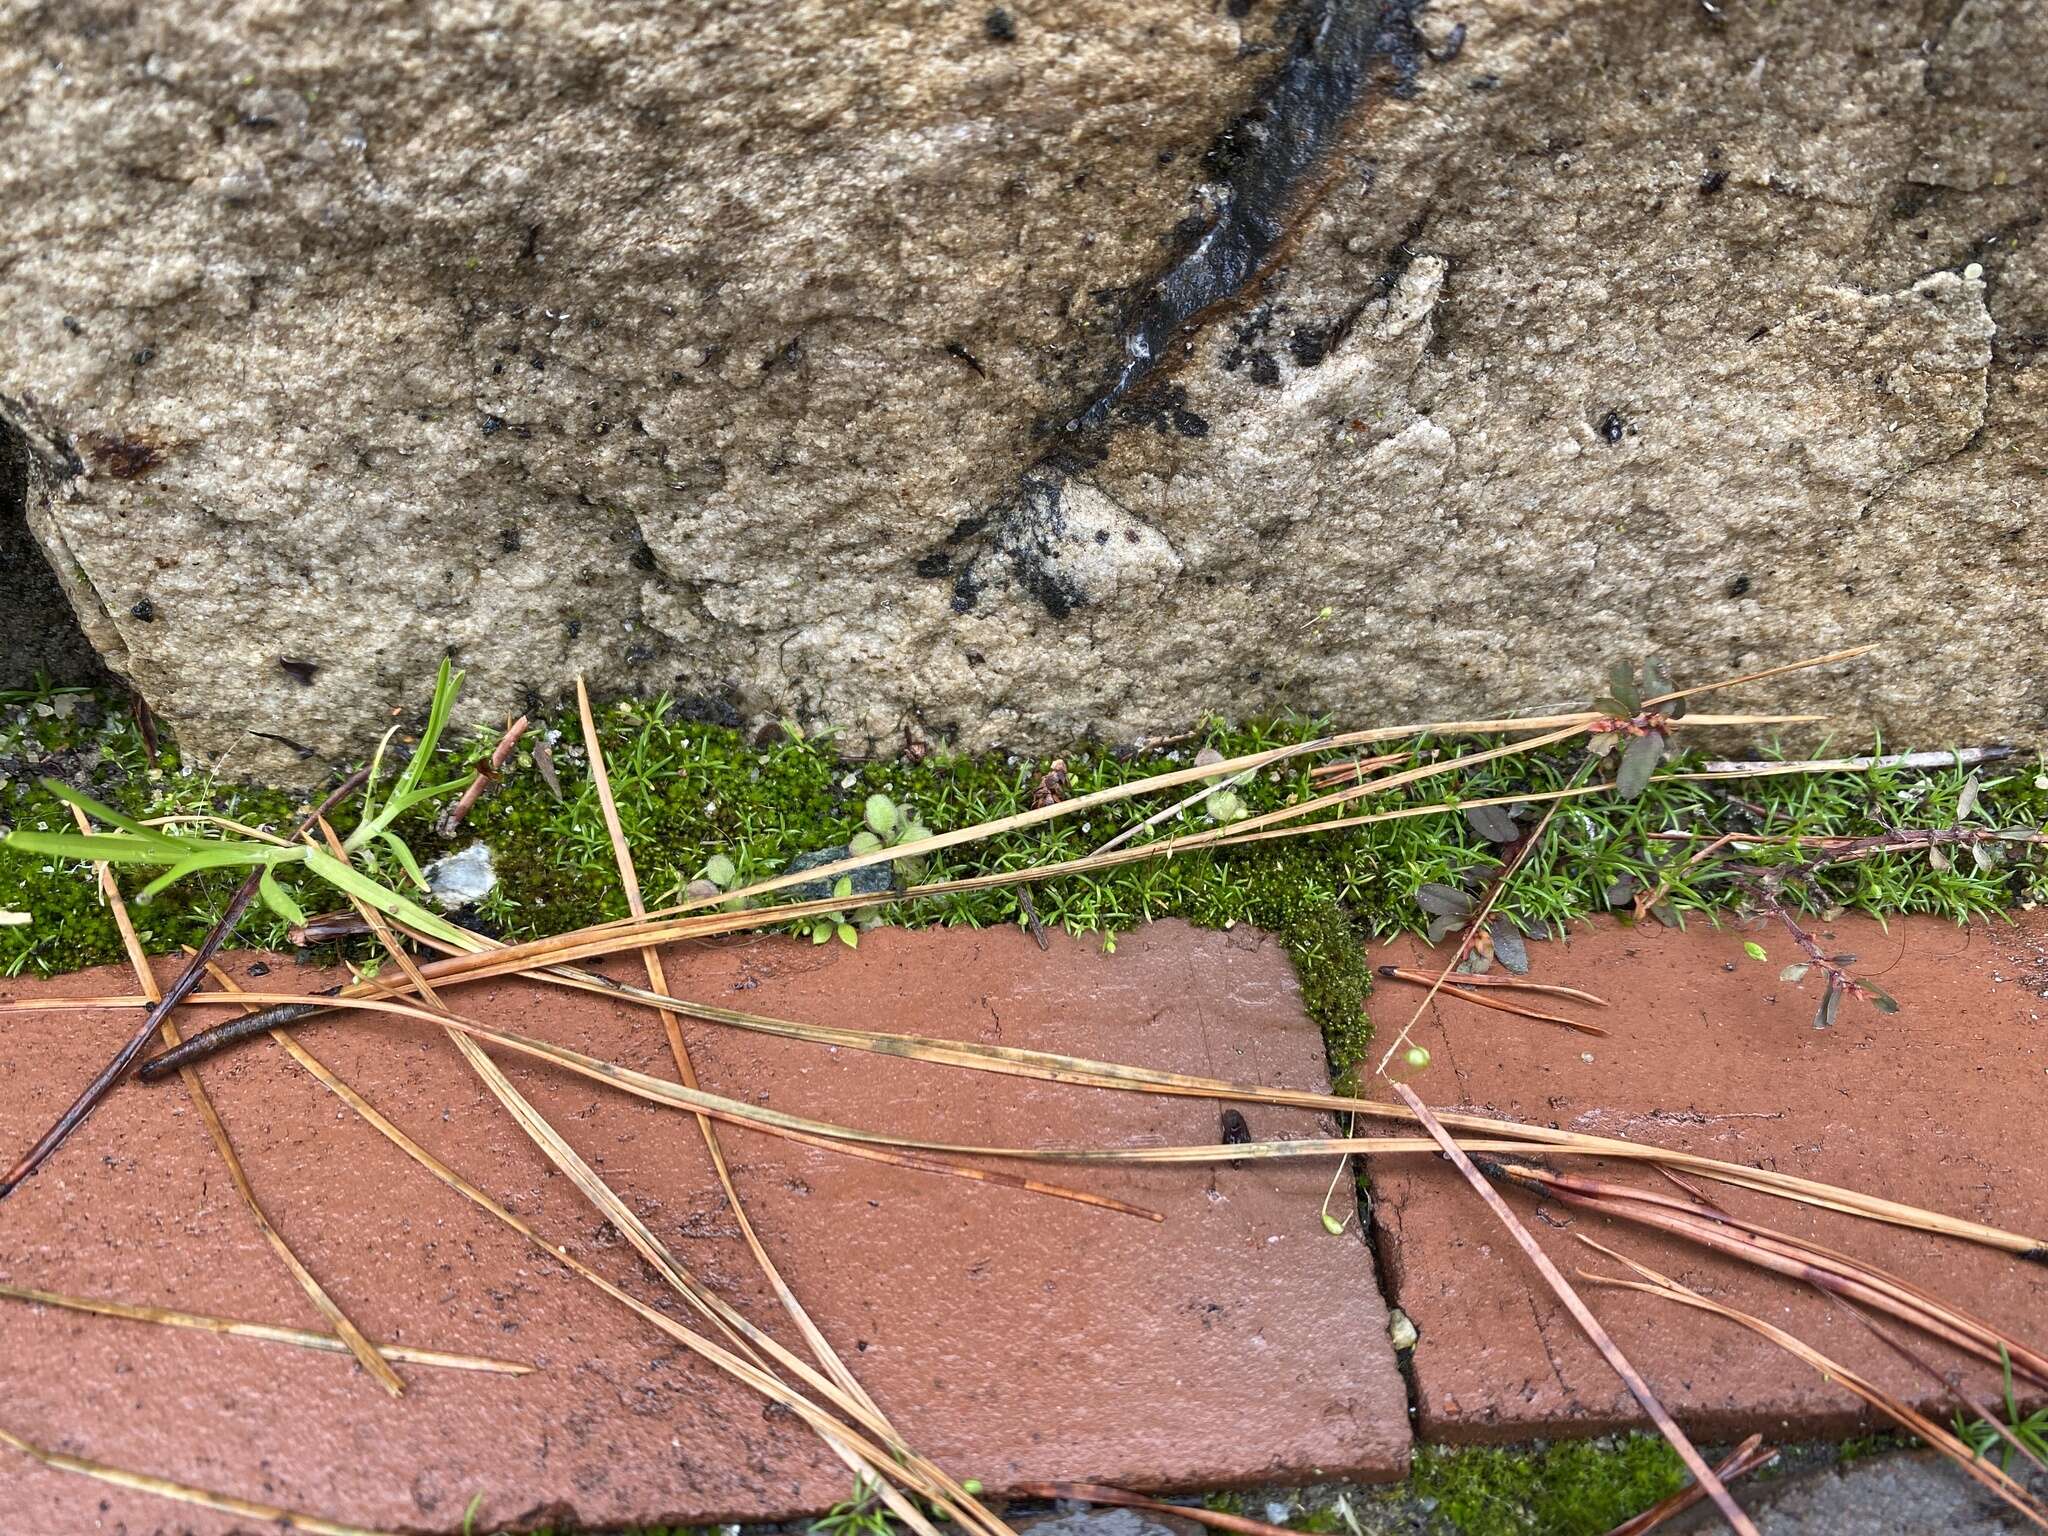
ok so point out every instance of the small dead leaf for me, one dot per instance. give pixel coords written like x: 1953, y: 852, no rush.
x: 1795, y: 973
x: 1966, y: 802
x: 544, y: 765
x: 1493, y: 823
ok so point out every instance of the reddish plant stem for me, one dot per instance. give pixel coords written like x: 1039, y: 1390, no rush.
x: 485, y: 776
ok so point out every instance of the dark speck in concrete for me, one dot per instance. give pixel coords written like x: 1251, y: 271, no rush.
x: 301, y: 672
x: 1000, y: 26
x: 1612, y: 426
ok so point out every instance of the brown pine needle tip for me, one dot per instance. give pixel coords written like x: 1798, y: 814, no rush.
x: 1638, y: 1388
x: 1491, y: 979
x: 273, y: 1333
x: 1465, y: 994
x: 1744, y: 1459
x: 1103, y: 1493
x: 163, y: 1487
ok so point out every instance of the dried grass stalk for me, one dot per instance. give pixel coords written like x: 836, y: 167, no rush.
x: 1904, y: 1415
x: 271, y: 1333
x: 353, y: 1337
x: 162, y: 1487
x: 1639, y: 1389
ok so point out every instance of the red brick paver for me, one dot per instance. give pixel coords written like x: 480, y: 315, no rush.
x: 1011, y: 1336
x: 1941, y: 1105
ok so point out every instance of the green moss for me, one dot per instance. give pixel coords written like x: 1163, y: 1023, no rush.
x: 686, y: 790
x: 1857, y: 1447
x: 1573, y: 1488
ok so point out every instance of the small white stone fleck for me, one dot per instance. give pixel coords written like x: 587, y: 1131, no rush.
x: 462, y: 878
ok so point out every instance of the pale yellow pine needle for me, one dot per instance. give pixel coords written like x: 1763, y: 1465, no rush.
x: 713, y: 1307
x: 272, y: 1333
x: 671, y: 1022
x: 745, y: 1371
x: 358, y: 1343
x: 143, y: 1482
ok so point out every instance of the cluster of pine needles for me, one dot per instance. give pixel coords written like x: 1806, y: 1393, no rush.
x: 431, y: 959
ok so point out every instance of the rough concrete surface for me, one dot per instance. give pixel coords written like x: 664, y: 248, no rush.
x: 728, y: 351
x: 1712, y: 1053
x: 1010, y: 1336
x: 1913, y: 1495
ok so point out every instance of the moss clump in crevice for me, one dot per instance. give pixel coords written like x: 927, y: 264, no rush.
x: 1572, y: 1488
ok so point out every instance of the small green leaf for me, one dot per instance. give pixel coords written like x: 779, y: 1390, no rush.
x: 880, y: 815
x: 721, y: 871
x: 863, y: 842
x: 108, y: 815
x: 1830, y: 1005
x: 469, y: 1515
x: 1332, y: 1225
x: 354, y: 883
x: 1880, y: 999
x: 1656, y: 680
x: 1621, y: 683
x: 278, y: 899
x: 406, y: 861
x: 1442, y: 900
x: 843, y: 886
x: 1754, y: 950
x: 849, y: 935
x: 820, y: 932
x: 1637, y: 764
x: 1417, y: 1057
x: 1226, y: 805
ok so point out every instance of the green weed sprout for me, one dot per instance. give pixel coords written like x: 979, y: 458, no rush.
x: 181, y: 854
x: 889, y: 826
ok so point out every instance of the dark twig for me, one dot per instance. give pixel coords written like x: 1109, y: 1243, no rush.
x: 174, y: 994
x: 486, y: 775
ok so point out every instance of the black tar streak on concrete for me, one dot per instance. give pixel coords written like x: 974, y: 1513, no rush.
x: 1268, y: 158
